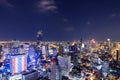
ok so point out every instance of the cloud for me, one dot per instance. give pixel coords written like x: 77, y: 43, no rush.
x: 5, y: 3
x: 69, y: 29
x: 88, y: 23
x: 47, y: 6
x: 113, y: 15
x: 65, y: 20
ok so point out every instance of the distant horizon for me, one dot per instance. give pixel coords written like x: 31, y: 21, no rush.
x: 59, y: 40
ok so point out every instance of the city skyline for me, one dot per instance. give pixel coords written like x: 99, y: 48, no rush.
x: 60, y: 19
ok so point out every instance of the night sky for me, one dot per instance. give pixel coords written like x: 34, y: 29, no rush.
x: 60, y: 19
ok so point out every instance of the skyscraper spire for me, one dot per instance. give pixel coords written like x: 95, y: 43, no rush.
x: 39, y: 36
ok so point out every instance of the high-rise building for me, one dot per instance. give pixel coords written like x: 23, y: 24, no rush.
x: 39, y: 36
